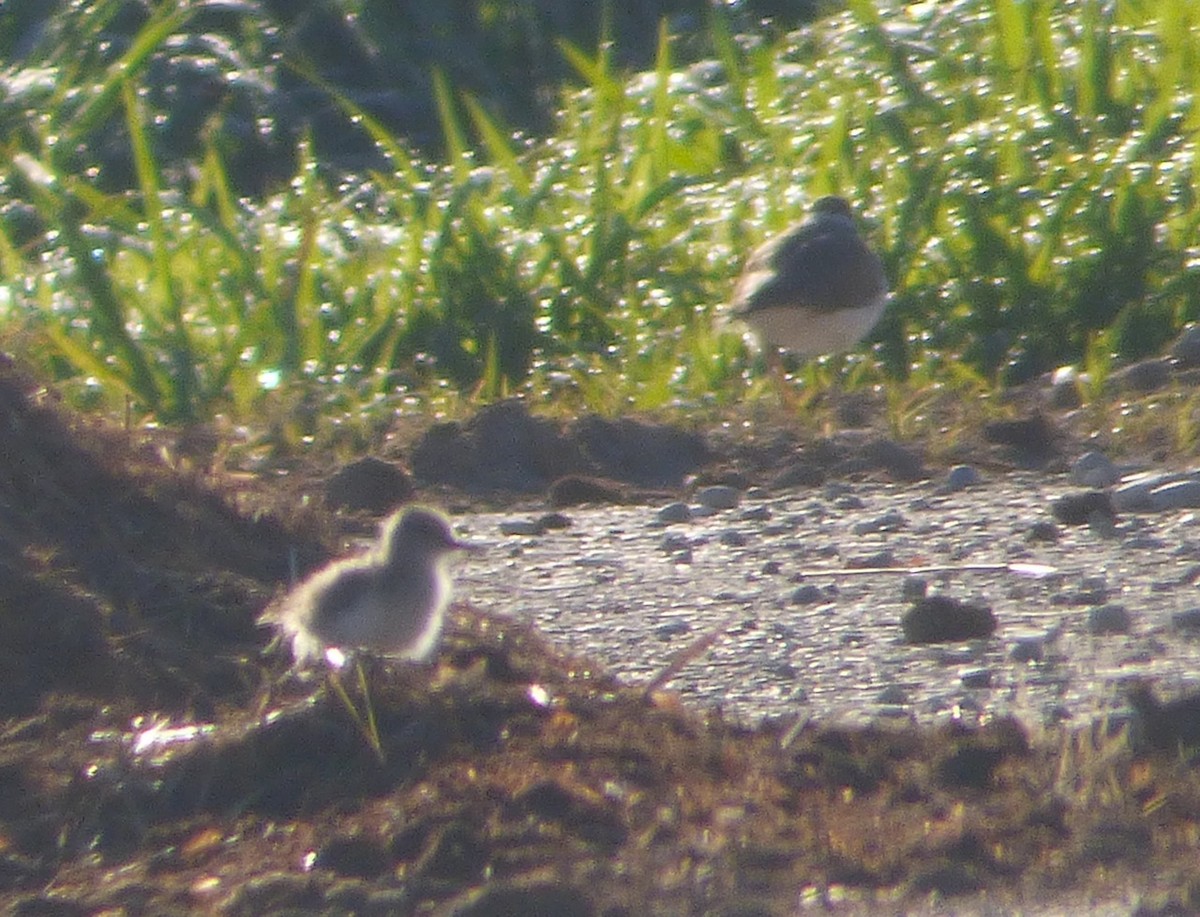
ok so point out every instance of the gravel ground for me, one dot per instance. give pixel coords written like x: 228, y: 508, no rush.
x: 804, y: 638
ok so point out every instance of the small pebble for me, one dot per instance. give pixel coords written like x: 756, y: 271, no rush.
x: 1176, y: 495
x: 1081, y: 508
x: 807, y: 594
x: 674, y: 541
x: 732, y: 538
x: 1094, y: 469
x: 869, y: 561
x: 1188, y: 620
x: 1133, y: 496
x: 672, y: 629
x: 961, y: 477
x: 891, y: 521
x: 1186, y: 349
x: 674, y: 512
x: 522, y: 527
x: 1145, y: 542
x: 940, y: 618
x: 1043, y: 531
x: 914, y: 588
x: 976, y: 678
x: 719, y: 496
x: 756, y: 514
x: 1112, y: 618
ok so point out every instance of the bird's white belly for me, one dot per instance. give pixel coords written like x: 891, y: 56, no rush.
x: 810, y: 333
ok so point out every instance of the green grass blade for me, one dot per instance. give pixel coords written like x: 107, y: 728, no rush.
x: 164, y: 21
x: 183, y: 363
x: 498, y: 145
x: 452, y: 128
x: 108, y: 319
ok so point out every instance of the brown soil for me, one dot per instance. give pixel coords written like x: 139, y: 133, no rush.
x: 156, y: 757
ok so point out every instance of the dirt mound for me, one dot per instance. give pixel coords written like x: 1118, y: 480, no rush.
x: 122, y: 577
x: 504, y: 447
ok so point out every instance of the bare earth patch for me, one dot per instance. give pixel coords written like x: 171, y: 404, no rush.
x: 156, y: 757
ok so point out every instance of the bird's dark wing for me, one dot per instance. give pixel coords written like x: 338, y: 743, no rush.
x: 339, y: 593
x: 824, y: 266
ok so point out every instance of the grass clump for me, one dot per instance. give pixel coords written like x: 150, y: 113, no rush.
x: 1026, y: 170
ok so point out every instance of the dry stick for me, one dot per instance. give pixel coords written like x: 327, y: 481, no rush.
x: 1036, y: 571
x: 701, y: 644
x: 693, y: 650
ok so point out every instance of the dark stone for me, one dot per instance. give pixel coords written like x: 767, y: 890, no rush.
x: 856, y: 411
x: 939, y: 618
x: 1186, y: 620
x: 807, y: 594
x: 1042, y: 531
x: 554, y: 522
x: 1084, y: 508
x: 1186, y: 349
x: 369, y: 484
x: 575, y: 490
x: 1031, y: 437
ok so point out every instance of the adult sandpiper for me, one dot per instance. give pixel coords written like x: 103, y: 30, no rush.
x: 390, y: 600
x: 814, y: 289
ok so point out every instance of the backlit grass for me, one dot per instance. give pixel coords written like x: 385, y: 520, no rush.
x: 1026, y: 169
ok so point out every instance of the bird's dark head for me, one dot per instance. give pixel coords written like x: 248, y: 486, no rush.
x: 1140, y: 696
x: 832, y: 205
x: 420, y: 530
